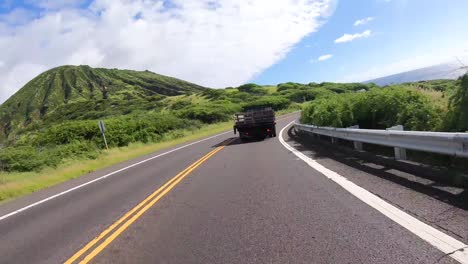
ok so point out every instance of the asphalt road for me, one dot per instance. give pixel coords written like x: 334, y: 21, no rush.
x: 251, y: 202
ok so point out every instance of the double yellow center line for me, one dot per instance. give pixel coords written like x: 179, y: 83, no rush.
x: 95, y: 246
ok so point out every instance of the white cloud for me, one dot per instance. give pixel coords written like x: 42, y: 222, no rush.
x: 351, y: 37
x: 363, y: 21
x: 325, y: 57
x: 217, y: 45
x: 17, y: 76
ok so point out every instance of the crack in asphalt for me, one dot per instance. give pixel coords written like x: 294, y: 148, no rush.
x: 450, y: 253
x: 435, y: 224
x: 448, y: 214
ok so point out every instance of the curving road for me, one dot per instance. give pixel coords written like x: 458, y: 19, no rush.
x: 215, y: 201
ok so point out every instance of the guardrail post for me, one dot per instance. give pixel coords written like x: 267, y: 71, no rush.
x: 357, y: 144
x: 400, y: 153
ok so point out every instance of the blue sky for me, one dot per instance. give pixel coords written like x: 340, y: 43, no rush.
x: 407, y: 34
x: 221, y: 43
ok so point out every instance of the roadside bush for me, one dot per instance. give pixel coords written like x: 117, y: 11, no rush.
x: 120, y: 131
x: 211, y: 112
x: 335, y: 111
x: 205, y: 114
x: 147, y: 128
x: 457, y: 116
x: 29, y: 158
x: 77, y: 149
x: 376, y: 109
x: 21, y: 159
x: 67, y: 132
x: 385, y: 107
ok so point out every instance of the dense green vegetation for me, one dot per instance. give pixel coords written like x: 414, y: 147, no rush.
x: 440, y: 105
x: 81, y: 139
x: 457, y: 115
x: 53, y: 119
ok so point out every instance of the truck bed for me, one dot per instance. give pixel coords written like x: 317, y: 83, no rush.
x: 258, y: 123
x: 253, y: 118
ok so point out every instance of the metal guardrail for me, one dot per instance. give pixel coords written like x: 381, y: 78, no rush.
x: 453, y: 144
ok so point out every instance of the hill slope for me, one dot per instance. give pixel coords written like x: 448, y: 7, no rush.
x: 68, y: 92
x: 450, y: 71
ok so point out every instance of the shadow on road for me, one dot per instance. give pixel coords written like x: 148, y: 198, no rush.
x: 318, y: 149
x: 238, y: 141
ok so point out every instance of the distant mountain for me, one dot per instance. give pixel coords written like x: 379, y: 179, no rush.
x: 72, y: 92
x: 443, y: 71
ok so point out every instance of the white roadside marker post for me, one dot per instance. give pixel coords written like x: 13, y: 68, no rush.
x: 102, y: 127
x: 400, y: 153
x: 357, y: 144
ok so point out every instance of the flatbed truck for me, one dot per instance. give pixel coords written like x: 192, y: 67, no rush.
x: 255, y: 123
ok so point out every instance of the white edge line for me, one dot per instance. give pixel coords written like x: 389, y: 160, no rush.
x: 105, y: 176
x: 431, y: 235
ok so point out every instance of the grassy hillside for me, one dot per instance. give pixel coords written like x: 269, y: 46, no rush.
x: 81, y: 92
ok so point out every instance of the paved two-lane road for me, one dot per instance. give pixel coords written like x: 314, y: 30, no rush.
x: 251, y: 202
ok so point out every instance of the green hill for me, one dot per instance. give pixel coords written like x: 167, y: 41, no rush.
x: 82, y: 92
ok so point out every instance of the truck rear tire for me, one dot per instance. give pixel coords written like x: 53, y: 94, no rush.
x: 242, y: 138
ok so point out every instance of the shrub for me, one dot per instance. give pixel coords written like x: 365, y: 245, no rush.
x: 145, y: 127
x: 77, y: 149
x: 288, y: 86
x: 335, y: 111
x: 457, y: 117
x: 376, y: 109
x: 248, y: 88
x: 300, y: 96
x: 21, y: 159
x: 214, y: 93
x: 211, y: 112
x: 385, y: 107
x: 240, y: 97
x: 252, y: 88
x: 29, y: 158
